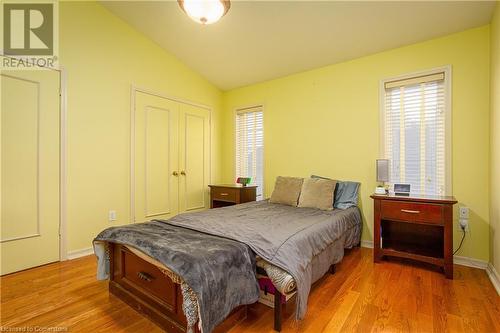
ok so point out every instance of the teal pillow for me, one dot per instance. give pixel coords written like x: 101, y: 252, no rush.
x: 346, y: 193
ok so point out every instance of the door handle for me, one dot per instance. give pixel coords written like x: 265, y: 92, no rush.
x: 175, y: 173
x: 410, y: 211
x: 183, y: 172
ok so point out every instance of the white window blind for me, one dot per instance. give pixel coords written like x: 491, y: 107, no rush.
x: 250, y: 146
x: 415, y: 132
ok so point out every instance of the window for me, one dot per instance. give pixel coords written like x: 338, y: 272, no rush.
x: 250, y: 146
x: 415, y: 124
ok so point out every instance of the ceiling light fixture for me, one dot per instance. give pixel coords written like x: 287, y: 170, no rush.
x: 205, y: 11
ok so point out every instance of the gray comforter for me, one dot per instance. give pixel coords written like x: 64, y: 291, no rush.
x: 220, y: 271
x: 285, y: 236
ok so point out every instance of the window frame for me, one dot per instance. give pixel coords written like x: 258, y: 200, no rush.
x: 246, y: 109
x: 447, y: 70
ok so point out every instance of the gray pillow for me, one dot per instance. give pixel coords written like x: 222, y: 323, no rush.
x: 346, y: 193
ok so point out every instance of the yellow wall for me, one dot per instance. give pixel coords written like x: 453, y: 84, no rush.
x: 103, y: 57
x: 495, y: 140
x: 323, y: 121
x: 326, y: 121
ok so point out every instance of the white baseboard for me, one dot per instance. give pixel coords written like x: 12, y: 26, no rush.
x: 494, y: 277
x: 80, y: 253
x: 470, y: 262
x: 367, y: 243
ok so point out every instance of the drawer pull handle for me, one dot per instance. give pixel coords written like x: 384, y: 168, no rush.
x: 410, y: 211
x: 224, y: 194
x: 145, y: 276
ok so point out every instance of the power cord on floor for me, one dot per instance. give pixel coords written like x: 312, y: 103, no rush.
x: 461, y: 242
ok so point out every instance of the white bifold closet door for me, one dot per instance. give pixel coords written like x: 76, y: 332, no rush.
x: 170, y: 157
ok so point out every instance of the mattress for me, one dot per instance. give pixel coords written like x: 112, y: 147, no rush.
x: 281, y: 279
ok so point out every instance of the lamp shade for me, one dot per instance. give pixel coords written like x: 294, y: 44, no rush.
x: 382, y: 170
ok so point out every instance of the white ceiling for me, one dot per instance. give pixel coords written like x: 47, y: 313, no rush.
x: 262, y: 40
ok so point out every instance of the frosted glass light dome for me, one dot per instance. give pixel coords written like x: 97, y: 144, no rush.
x: 205, y: 11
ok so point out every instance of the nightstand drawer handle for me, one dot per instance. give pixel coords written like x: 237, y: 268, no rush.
x: 410, y: 211
x: 224, y: 194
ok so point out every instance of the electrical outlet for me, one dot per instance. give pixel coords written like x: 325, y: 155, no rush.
x: 463, y: 224
x: 112, y: 215
x: 464, y: 212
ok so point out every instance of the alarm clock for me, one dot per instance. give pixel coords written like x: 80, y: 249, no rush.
x: 402, y: 189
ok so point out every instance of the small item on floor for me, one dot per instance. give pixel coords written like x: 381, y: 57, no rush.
x: 267, y: 290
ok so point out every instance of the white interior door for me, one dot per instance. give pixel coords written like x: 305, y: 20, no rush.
x: 194, y: 161
x: 156, y: 153
x: 29, y: 169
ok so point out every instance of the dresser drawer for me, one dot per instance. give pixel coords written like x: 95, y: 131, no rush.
x: 145, y: 276
x: 412, y: 212
x: 226, y: 194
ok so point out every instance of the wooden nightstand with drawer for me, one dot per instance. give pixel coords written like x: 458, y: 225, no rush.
x: 414, y: 227
x: 231, y: 194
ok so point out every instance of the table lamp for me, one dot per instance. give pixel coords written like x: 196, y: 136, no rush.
x: 382, y: 175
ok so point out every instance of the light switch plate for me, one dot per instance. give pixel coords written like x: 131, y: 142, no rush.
x: 112, y: 215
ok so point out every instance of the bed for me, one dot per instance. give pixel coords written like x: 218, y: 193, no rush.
x: 293, y: 246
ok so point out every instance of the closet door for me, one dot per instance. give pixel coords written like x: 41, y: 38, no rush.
x: 194, y: 161
x: 156, y: 152
x: 29, y: 181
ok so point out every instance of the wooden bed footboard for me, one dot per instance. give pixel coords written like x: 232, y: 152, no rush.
x: 145, y: 288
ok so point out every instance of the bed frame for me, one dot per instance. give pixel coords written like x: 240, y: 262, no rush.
x: 152, y: 293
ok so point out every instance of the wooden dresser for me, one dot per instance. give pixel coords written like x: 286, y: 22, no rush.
x: 414, y: 227
x: 231, y: 194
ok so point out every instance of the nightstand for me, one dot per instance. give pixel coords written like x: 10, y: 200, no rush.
x: 231, y: 194
x: 414, y: 227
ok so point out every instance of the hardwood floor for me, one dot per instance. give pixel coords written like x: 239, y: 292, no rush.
x: 360, y: 296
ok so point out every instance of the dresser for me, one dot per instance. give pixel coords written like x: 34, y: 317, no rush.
x: 414, y: 227
x: 231, y: 194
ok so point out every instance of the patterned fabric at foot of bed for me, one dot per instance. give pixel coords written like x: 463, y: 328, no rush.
x: 280, y: 278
